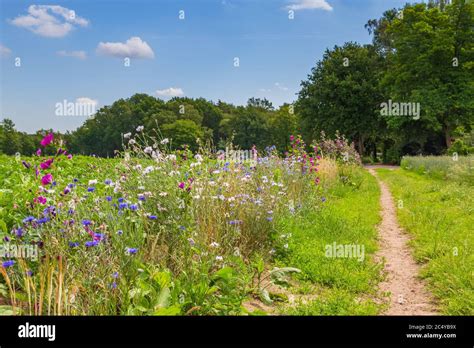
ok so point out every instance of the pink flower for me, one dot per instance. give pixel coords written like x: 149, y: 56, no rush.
x: 46, y: 179
x: 46, y: 164
x: 69, y: 156
x: 181, y: 185
x: 47, y: 140
x: 41, y: 200
x: 292, y: 137
x: 38, y: 152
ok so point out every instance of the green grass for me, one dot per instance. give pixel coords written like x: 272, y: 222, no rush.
x: 454, y: 168
x: 349, y: 216
x: 439, y: 214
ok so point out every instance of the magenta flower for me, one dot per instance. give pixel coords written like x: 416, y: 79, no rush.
x: 46, y: 164
x: 181, y: 185
x: 69, y: 156
x: 46, y: 179
x: 47, y: 140
x: 38, y: 152
x: 41, y: 200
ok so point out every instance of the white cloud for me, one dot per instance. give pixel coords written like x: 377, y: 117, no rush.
x: 132, y: 48
x: 309, y: 5
x: 49, y: 20
x: 75, y: 54
x: 280, y: 86
x: 170, y: 92
x: 4, y: 51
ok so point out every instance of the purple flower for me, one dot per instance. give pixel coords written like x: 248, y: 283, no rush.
x: 86, y: 222
x: 108, y: 198
x: 113, y: 285
x: 152, y: 217
x: 108, y: 181
x: 90, y: 189
x: 119, y: 232
x: 115, y: 275
x: 28, y: 219
x: 98, y: 236
x: 132, y: 251
x: 91, y: 243
x: 19, y: 232
x: 43, y: 220
x: 47, y: 139
x: 29, y: 273
x: 8, y: 263
x: 73, y: 244
x: 235, y: 222
x: 123, y: 206
x: 26, y: 164
x: 120, y: 200
x: 133, y: 207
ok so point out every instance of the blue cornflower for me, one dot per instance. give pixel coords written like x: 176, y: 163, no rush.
x: 120, y: 200
x: 113, y: 285
x: 90, y: 189
x: 152, y: 217
x: 108, y: 181
x: 19, y: 232
x: 133, y: 207
x: 28, y: 219
x: 235, y: 222
x: 123, y: 205
x: 29, y: 273
x: 8, y: 263
x: 141, y: 197
x: 73, y: 244
x: 182, y: 228
x: 86, y: 222
x: 269, y: 218
x: 70, y: 186
x: 119, y: 232
x: 76, y: 180
x: 91, y: 243
x: 43, y: 220
x: 70, y: 211
x: 108, y: 198
x: 115, y: 275
x: 132, y: 251
x: 98, y: 236
x: 323, y: 199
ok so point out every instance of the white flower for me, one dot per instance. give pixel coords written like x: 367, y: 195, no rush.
x: 163, y: 194
x: 195, y: 164
x: 148, y: 149
x: 138, y: 167
x: 164, y: 141
x: 92, y: 182
x: 171, y: 157
x: 140, y: 128
x: 148, y: 169
x: 214, y: 245
x: 285, y: 246
x: 127, y: 135
x: 219, y: 258
x: 132, y: 142
x: 198, y: 157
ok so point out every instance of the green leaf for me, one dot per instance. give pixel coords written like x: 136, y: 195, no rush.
x: 163, y: 298
x: 265, y: 297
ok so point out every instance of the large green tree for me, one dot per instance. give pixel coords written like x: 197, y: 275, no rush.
x: 342, y: 94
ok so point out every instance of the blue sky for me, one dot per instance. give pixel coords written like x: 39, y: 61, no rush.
x: 69, y: 55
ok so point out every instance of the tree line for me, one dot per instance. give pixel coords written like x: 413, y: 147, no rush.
x: 411, y: 91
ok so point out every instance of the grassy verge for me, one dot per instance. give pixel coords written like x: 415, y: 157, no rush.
x: 439, y: 215
x: 338, y: 285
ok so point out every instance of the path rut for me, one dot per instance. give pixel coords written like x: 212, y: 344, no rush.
x: 408, y: 293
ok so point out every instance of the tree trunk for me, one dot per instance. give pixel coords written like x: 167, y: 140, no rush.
x: 375, y: 152
x: 361, y: 146
x: 447, y: 136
